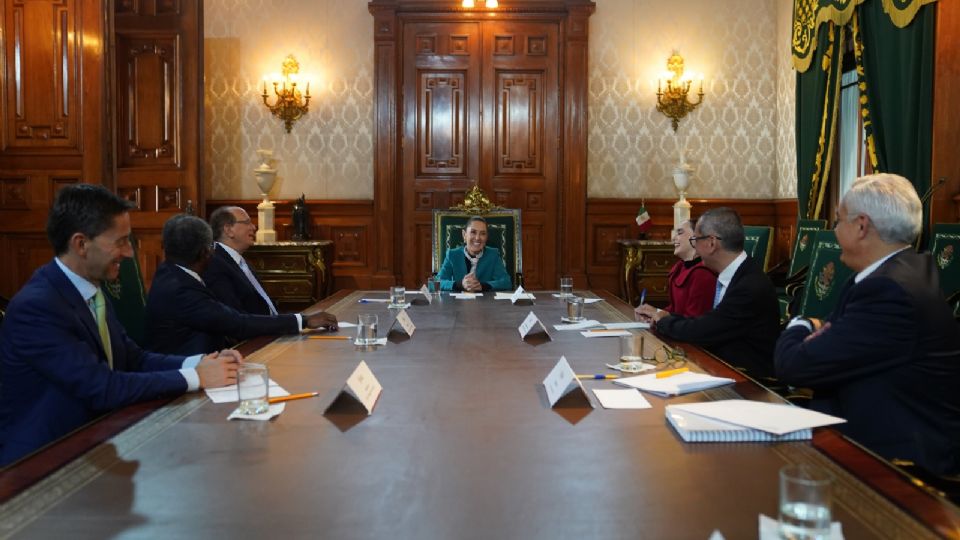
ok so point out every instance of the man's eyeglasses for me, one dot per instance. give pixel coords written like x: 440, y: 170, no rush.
x: 693, y: 239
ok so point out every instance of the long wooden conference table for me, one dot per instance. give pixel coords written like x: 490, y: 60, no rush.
x: 461, y: 444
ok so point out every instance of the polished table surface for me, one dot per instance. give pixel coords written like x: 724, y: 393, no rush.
x: 461, y: 444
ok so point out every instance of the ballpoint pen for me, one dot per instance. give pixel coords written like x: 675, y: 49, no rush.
x: 292, y: 397
x: 328, y: 337
x: 672, y: 372
x: 643, y: 296
x: 598, y: 377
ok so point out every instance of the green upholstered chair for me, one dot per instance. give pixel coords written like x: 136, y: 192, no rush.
x: 945, y: 248
x: 128, y: 297
x: 503, y: 233
x: 800, y: 258
x: 758, y: 243
x: 825, y: 278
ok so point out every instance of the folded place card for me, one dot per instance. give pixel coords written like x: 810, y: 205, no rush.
x: 532, y: 322
x: 361, y: 387
x: 562, y: 381
x: 405, y: 323
x: 426, y: 293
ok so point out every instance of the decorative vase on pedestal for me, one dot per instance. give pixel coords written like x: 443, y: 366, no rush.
x: 681, y: 179
x: 265, y: 175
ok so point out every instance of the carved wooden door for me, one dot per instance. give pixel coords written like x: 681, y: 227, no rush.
x: 480, y: 106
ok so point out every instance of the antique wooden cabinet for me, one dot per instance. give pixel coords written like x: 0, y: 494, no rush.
x: 644, y: 264
x: 295, y: 274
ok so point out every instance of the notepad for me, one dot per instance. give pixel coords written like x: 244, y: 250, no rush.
x: 676, y: 385
x: 773, y: 418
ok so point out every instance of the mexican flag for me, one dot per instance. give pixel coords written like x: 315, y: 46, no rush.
x: 643, y: 219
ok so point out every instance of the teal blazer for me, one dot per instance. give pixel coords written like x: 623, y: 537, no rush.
x: 490, y: 269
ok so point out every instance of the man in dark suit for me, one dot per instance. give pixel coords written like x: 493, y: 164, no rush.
x: 744, y: 323
x: 184, y: 316
x: 64, y: 357
x: 888, y: 357
x: 228, y: 276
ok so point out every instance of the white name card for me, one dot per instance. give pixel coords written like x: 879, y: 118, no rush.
x: 405, y: 323
x: 562, y: 381
x: 529, y: 324
x: 517, y: 294
x: 426, y: 293
x: 362, y: 387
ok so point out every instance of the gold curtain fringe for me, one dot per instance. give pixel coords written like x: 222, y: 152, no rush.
x: 837, y: 77
x: 864, y: 101
x: 808, y: 15
x: 821, y: 162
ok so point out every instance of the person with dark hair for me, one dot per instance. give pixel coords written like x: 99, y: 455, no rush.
x: 744, y: 322
x: 183, y: 315
x: 692, y: 284
x: 474, y: 267
x: 64, y: 357
x: 228, y: 276
x: 887, y: 359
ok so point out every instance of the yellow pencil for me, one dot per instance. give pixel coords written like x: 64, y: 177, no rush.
x: 328, y: 337
x: 672, y: 372
x: 291, y: 397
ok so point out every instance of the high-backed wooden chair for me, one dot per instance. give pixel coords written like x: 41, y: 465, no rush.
x: 503, y: 231
x: 128, y: 297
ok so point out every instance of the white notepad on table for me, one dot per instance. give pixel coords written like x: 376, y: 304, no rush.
x: 675, y: 385
x: 738, y: 420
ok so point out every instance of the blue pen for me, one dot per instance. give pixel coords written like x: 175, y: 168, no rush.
x: 643, y: 296
x: 600, y: 377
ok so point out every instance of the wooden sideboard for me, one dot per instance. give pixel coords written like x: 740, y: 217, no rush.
x: 644, y: 264
x: 295, y: 274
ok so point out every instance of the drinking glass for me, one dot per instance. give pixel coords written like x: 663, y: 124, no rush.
x: 805, y: 502
x: 631, y: 348
x: 253, y: 383
x: 366, y: 329
x: 433, y: 285
x: 566, y: 287
x: 574, y: 309
x: 398, y: 296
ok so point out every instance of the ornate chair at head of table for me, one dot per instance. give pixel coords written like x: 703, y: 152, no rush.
x: 503, y: 231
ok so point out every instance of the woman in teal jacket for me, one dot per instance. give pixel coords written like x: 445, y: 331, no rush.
x: 474, y: 267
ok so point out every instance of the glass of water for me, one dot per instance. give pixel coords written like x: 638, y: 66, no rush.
x: 366, y: 329
x: 574, y: 309
x: 805, y: 502
x: 253, y: 388
x: 631, y: 348
x: 566, y: 287
x: 398, y: 296
x: 433, y: 285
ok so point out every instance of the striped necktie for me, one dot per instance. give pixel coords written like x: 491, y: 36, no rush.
x: 716, y: 295
x: 100, y: 314
x: 256, y: 285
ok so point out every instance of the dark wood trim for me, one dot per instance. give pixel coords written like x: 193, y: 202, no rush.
x: 945, y: 203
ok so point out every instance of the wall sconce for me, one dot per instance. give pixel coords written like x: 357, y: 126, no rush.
x: 490, y: 4
x: 290, y: 105
x: 672, y: 101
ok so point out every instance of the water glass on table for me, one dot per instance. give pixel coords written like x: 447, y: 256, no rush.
x: 253, y: 388
x: 631, y: 348
x: 566, y: 287
x: 398, y: 296
x: 366, y: 329
x: 805, y: 502
x: 433, y: 285
x: 574, y: 309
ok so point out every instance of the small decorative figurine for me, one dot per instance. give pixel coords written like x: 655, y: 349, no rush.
x: 300, y: 219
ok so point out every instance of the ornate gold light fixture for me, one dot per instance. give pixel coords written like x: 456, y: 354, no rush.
x: 290, y: 104
x: 469, y: 4
x: 672, y: 101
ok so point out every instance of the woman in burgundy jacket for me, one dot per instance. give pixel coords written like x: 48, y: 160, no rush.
x: 692, y: 285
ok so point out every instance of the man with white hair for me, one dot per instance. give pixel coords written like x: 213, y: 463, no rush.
x: 888, y: 357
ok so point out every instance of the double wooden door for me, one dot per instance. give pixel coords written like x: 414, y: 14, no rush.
x: 480, y: 106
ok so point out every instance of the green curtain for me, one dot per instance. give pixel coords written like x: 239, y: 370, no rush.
x: 818, y: 91
x: 897, y: 66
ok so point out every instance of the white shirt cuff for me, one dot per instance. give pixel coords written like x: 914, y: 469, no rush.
x: 193, y: 379
x: 299, y: 321
x: 191, y: 361
x: 797, y: 321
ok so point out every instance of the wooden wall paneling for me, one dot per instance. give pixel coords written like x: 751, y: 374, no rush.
x: 945, y: 203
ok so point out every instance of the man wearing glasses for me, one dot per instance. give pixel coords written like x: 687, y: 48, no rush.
x: 228, y: 275
x: 888, y: 357
x: 743, y: 325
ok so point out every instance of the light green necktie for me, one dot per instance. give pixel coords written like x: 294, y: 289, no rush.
x: 100, y: 308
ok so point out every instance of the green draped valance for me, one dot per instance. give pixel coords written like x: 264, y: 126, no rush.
x: 808, y: 15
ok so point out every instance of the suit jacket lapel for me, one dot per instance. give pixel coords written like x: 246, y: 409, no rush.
x: 81, y: 309
x: 238, y: 272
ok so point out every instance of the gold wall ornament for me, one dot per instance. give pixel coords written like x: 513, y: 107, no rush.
x: 476, y: 202
x: 290, y: 105
x: 672, y: 101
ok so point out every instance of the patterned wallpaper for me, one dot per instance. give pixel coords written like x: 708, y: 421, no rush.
x: 740, y: 140
x: 730, y: 140
x: 786, y: 105
x: 329, y: 154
